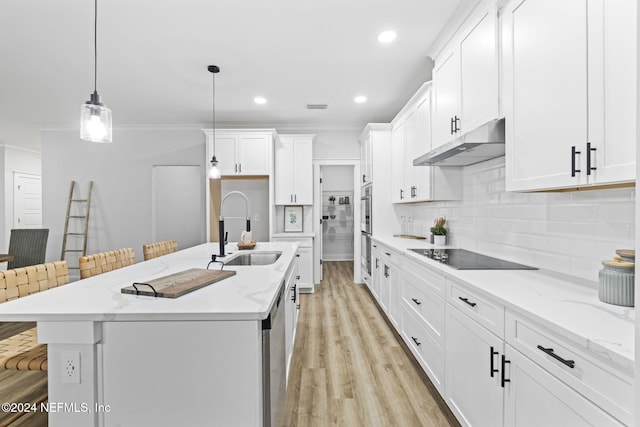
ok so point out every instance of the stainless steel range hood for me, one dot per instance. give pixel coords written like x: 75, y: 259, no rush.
x: 483, y: 143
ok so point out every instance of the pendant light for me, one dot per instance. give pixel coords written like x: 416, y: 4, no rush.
x: 95, y: 117
x: 214, y: 172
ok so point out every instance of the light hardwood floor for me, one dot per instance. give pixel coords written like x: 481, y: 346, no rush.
x: 350, y: 368
x: 21, y: 386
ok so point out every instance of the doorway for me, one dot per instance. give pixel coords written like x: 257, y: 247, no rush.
x: 27, y: 200
x: 336, y: 204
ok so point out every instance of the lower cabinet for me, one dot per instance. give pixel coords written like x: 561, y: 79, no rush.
x: 492, y: 365
x: 305, y: 260
x: 291, y: 311
x: 534, y: 397
x: 474, y: 379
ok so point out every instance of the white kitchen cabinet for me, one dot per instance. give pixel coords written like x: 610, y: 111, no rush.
x: 411, y: 138
x: 398, y: 190
x: 242, y: 151
x: 305, y: 259
x: 466, y: 78
x: 291, y: 311
x: 534, y: 397
x: 366, y: 169
x: 293, y: 170
x: 376, y: 271
x: 390, y: 284
x: 569, y: 89
x: 473, y: 388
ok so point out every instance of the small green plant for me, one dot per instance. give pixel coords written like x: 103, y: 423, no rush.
x: 332, y: 199
x: 438, y: 227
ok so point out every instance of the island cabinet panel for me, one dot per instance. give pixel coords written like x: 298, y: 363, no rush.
x: 189, y: 373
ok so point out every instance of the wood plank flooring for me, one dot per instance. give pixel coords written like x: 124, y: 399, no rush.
x: 21, y: 386
x: 350, y: 368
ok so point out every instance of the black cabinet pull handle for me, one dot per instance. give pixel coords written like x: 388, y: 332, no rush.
x: 504, y: 380
x: 377, y: 266
x: 451, y: 126
x: 549, y: 351
x: 297, y: 277
x: 363, y: 177
x: 466, y: 300
x: 456, y: 120
x: 573, y: 160
x: 417, y: 301
x: 589, y: 150
x: 492, y: 353
x: 387, y: 254
x: 415, y: 340
x: 386, y: 271
x: 401, y: 194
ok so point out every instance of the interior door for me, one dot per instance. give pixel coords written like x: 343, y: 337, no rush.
x: 27, y: 200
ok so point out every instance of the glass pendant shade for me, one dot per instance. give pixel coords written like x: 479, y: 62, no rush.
x: 214, y: 172
x: 95, y: 122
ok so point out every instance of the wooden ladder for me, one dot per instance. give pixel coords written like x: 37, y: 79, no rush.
x: 85, y: 226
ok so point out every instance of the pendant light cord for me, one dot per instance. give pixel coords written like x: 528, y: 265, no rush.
x: 214, y: 114
x: 95, y: 46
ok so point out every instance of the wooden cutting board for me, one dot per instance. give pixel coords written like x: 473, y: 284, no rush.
x: 409, y: 236
x: 178, y: 284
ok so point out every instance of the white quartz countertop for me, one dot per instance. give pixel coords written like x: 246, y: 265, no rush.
x: 248, y: 295
x: 569, y: 307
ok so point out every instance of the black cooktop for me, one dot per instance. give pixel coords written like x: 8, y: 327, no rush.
x: 462, y: 259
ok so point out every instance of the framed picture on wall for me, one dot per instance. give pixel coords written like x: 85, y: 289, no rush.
x: 293, y: 219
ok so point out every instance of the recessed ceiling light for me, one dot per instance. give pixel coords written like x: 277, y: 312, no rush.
x: 360, y: 99
x: 387, y: 36
x: 259, y: 100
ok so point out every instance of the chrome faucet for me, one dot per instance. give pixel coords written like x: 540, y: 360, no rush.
x: 222, y: 237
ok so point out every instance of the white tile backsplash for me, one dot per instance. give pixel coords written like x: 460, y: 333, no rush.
x: 567, y: 232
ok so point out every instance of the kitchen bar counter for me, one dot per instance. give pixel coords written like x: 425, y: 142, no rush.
x: 246, y: 296
x: 139, y: 360
x: 568, y: 306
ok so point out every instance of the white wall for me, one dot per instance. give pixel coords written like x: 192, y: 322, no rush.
x: 570, y: 232
x: 13, y: 159
x: 338, y: 144
x: 122, y: 174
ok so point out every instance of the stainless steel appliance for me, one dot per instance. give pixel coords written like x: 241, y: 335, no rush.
x: 478, y: 145
x: 274, y: 362
x: 462, y: 259
x: 366, y: 210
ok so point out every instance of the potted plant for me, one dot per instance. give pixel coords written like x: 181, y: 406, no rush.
x: 332, y: 199
x: 439, y: 231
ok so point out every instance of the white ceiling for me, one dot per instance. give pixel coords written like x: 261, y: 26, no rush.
x: 152, y: 59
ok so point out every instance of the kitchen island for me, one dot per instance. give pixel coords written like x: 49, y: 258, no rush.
x: 193, y: 360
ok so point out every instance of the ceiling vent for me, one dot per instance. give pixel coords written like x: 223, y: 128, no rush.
x: 317, y: 106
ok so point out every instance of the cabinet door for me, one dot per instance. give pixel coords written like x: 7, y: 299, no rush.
x: 253, y: 154
x: 376, y: 274
x: 446, y: 98
x: 408, y: 171
x: 545, y: 63
x: 533, y: 398
x: 398, y: 192
x: 479, y: 72
x: 474, y: 396
x: 612, y: 89
x: 305, y: 265
x: 395, y: 294
x: 226, y: 154
x: 284, y: 172
x: 303, y: 172
x: 365, y: 160
x: 384, y: 286
x: 421, y: 175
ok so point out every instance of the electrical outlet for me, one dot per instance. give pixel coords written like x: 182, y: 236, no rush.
x: 71, y: 367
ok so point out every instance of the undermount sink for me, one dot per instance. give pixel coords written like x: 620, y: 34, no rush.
x: 255, y: 258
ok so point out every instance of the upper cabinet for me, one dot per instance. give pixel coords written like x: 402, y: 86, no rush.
x: 241, y: 152
x: 366, y: 161
x: 294, y: 170
x: 465, y: 78
x: 569, y: 93
x: 410, y: 138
